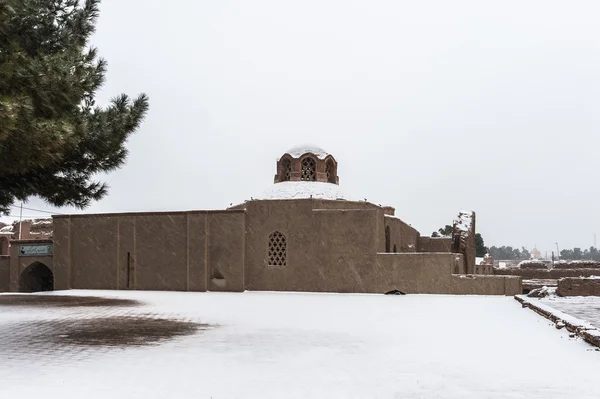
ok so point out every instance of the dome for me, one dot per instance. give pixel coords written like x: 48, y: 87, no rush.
x: 298, y: 151
x: 303, y: 189
x: 306, y: 163
x: 305, y: 172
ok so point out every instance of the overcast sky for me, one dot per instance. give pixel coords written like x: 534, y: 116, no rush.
x: 429, y: 106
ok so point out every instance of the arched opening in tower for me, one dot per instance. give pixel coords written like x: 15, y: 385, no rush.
x: 330, y: 171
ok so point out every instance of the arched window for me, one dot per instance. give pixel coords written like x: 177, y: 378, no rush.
x: 286, y: 170
x: 309, y: 169
x: 330, y: 171
x: 277, y: 249
x: 387, y: 239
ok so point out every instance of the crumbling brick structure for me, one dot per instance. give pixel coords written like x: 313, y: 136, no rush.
x: 579, y: 286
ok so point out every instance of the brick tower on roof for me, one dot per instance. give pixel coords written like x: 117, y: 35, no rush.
x: 307, y: 163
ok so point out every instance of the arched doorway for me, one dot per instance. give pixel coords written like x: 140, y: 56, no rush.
x: 36, y: 277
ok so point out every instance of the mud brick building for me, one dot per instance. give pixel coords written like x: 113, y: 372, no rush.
x: 302, y: 234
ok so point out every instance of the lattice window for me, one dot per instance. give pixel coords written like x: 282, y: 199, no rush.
x: 287, y: 170
x: 309, y: 169
x: 277, y: 249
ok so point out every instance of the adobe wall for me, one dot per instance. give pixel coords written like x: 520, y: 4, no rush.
x: 4, y: 273
x: 434, y: 244
x: 18, y: 263
x: 403, y: 236
x: 413, y: 273
x: 484, y: 269
x: 575, y: 286
x: 486, y: 285
x: 546, y: 273
x: 326, y: 248
x: 4, y: 245
x: 432, y: 273
x: 331, y: 204
x: 150, y: 251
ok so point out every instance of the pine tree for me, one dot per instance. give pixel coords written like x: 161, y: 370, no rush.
x: 480, y: 248
x: 53, y: 137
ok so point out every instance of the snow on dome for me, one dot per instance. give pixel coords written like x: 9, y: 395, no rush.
x: 297, y: 152
x: 303, y: 189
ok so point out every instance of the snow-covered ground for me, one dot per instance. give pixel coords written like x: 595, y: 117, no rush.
x: 285, y: 345
x: 583, y: 307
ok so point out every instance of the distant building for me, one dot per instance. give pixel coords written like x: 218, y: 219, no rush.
x: 535, y: 253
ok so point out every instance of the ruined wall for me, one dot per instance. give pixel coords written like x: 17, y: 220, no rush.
x: 487, y: 285
x: 463, y: 237
x: 4, y: 273
x: 432, y: 273
x: 412, y: 273
x: 150, y: 251
x: 576, y: 286
x: 403, y: 236
x: 434, y: 244
x: 484, y: 269
x: 546, y: 273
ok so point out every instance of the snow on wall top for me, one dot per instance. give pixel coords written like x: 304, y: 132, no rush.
x: 297, y: 152
x: 38, y: 222
x: 464, y: 221
x: 6, y: 229
x: 303, y: 189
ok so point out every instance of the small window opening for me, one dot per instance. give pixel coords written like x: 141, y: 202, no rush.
x: 309, y: 169
x: 277, y: 249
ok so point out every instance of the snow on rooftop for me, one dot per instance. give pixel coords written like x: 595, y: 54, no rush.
x: 38, y: 222
x: 297, y: 152
x: 303, y: 189
x: 7, y: 229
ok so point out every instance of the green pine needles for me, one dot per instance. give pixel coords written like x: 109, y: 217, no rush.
x: 53, y: 138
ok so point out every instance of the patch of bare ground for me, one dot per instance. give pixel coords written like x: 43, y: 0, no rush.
x: 117, y: 331
x: 63, y: 301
